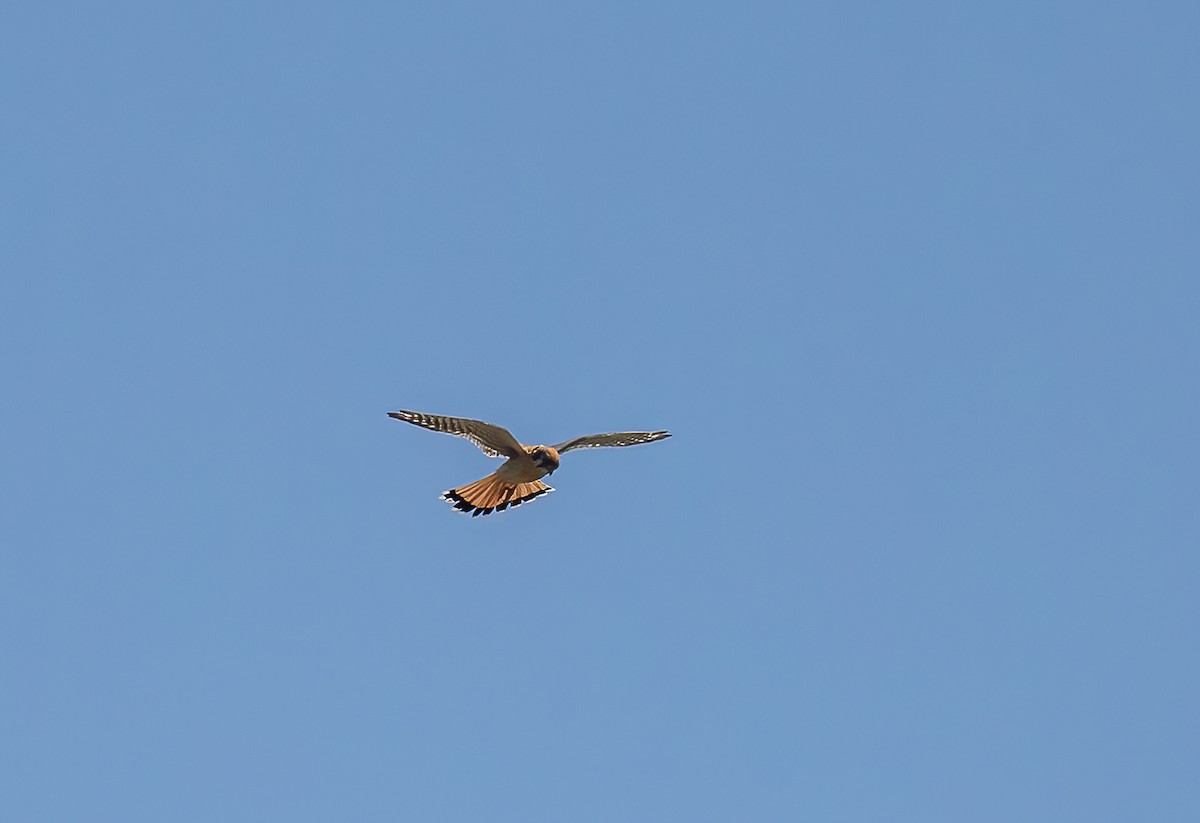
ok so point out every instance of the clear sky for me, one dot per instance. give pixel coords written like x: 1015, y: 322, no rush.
x: 914, y: 286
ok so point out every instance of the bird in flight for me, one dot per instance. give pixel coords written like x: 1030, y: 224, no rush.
x: 519, y: 478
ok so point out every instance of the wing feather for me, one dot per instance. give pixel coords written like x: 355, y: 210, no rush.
x: 495, y: 441
x: 593, y: 441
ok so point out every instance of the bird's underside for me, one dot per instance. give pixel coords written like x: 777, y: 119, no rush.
x: 518, y: 480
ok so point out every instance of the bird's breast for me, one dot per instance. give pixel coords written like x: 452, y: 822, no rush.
x: 520, y: 470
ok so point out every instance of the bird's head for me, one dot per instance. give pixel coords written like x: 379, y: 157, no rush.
x: 545, y: 458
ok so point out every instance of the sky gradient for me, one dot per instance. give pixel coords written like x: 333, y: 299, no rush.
x: 914, y: 287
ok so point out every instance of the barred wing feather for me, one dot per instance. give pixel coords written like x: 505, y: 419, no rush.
x: 594, y: 441
x: 495, y: 441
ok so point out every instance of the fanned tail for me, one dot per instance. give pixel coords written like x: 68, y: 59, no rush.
x: 491, y: 494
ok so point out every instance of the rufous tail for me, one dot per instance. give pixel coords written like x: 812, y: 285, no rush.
x: 491, y: 494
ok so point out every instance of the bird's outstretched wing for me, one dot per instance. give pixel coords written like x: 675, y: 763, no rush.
x: 593, y: 441
x: 494, y: 440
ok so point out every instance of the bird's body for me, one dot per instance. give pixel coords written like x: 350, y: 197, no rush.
x: 518, y: 479
x: 526, y: 468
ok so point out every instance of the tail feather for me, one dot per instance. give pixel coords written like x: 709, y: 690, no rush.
x: 493, y: 494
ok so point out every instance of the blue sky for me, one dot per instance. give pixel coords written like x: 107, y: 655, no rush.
x: 915, y: 287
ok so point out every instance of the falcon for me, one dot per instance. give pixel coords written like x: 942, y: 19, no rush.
x: 518, y: 479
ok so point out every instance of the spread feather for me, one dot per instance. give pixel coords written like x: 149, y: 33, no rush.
x: 493, y: 494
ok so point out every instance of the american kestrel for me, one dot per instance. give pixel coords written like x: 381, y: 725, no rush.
x: 518, y: 479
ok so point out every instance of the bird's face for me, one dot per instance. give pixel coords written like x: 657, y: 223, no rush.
x: 545, y: 458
